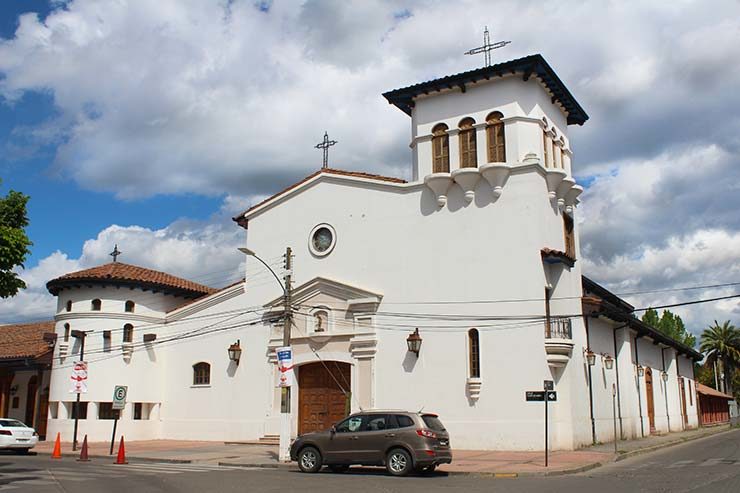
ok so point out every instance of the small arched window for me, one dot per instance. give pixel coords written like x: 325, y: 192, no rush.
x: 96, y: 305
x: 440, y: 149
x: 468, y: 151
x: 496, y: 138
x: 130, y: 306
x: 66, y: 332
x: 128, y: 333
x: 321, y: 321
x: 69, y: 305
x: 201, y: 374
x: 474, y: 353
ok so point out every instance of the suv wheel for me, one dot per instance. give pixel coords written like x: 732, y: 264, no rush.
x: 309, y: 460
x: 398, y: 462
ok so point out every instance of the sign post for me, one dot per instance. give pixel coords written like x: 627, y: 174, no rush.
x: 545, y: 396
x: 119, y: 403
x: 79, y: 386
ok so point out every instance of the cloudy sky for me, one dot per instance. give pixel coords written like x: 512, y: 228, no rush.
x: 148, y: 124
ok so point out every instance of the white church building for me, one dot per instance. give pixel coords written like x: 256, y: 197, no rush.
x: 479, y: 252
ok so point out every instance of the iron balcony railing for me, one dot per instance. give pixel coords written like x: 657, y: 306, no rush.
x: 558, y: 328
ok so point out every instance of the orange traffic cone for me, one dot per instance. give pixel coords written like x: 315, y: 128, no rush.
x: 83, y: 452
x: 121, y: 459
x: 57, y: 453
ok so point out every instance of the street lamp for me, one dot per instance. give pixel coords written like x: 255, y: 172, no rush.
x: 413, y: 341
x: 590, y: 357
x: 640, y: 371
x: 608, y: 362
x: 235, y: 352
x: 251, y: 253
x: 664, y: 376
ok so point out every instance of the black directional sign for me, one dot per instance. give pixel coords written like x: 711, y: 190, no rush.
x: 539, y: 395
x: 535, y: 395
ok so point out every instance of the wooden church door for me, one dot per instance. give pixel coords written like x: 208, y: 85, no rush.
x: 650, y: 398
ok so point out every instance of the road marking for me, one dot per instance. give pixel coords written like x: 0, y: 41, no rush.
x: 717, y: 462
x: 681, y: 463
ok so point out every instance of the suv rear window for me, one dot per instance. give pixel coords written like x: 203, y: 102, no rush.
x: 403, y: 421
x: 433, y: 422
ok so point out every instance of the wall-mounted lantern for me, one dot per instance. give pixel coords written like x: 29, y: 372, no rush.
x: 590, y: 357
x: 413, y: 341
x: 235, y: 352
x: 640, y: 371
x: 664, y: 376
x: 608, y: 362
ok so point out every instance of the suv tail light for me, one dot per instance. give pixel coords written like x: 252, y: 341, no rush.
x: 6, y: 432
x: 426, y: 433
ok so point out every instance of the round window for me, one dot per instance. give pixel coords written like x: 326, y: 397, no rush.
x: 322, y: 240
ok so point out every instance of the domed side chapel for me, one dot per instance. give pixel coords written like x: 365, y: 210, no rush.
x: 455, y: 292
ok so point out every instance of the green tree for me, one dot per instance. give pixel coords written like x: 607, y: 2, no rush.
x: 14, y: 244
x: 669, y: 324
x: 721, y: 344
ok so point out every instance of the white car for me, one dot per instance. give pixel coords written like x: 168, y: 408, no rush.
x: 14, y: 435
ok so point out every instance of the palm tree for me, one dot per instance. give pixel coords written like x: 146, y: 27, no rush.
x: 721, y: 343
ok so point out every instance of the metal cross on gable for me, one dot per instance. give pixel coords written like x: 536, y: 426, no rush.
x: 115, y: 253
x: 325, y: 145
x: 487, y: 47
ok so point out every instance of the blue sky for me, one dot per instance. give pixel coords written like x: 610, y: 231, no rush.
x: 62, y: 214
x: 149, y: 124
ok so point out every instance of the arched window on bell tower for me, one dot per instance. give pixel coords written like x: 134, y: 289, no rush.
x: 496, y: 138
x: 440, y: 149
x: 468, y: 151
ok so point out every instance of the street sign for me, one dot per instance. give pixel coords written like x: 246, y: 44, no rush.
x: 535, y: 395
x: 285, y: 366
x: 79, y: 378
x: 119, y: 397
x: 539, y: 395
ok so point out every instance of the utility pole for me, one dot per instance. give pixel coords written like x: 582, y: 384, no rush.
x: 285, y: 428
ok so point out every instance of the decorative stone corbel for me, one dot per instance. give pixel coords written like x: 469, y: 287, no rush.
x: 467, y: 178
x: 571, y: 198
x: 496, y: 175
x: 563, y: 189
x: 127, y: 348
x: 474, y: 384
x: 439, y: 183
x: 554, y: 178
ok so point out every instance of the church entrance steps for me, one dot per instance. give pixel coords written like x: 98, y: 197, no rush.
x: 264, y: 440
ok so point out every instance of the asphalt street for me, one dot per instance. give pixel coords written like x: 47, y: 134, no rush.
x: 707, y: 465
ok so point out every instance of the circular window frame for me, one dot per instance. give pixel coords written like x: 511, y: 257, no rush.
x: 315, y: 230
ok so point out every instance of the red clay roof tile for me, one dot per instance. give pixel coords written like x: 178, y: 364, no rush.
x: 24, y: 340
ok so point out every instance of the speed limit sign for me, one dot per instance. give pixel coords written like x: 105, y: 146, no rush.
x: 119, y: 397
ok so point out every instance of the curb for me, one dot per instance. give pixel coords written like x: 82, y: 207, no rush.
x: 261, y: 465
x: 632, y: 453
x: 129, y: 457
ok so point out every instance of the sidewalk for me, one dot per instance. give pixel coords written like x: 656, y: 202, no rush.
x: 479, y: 462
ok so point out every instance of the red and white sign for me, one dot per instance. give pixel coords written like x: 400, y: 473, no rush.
x: 285, y: 366
x: 79, y: 378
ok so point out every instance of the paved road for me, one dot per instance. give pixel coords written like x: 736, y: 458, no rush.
x: 707, y: 465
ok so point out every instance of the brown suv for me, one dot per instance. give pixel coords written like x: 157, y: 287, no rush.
x: 399, y: 440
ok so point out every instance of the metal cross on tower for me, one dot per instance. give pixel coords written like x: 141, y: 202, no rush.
x: 487, y: 47
x: 115, y: 253
x: 325, y: 145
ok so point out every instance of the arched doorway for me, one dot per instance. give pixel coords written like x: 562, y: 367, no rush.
x: 31, y: 400
x: 650, y: 398
x: 323, y: 395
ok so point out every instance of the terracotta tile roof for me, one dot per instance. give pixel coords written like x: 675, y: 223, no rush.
x: 329, y: 171
x: 120, y: 273
x: 24, y: 340
x: 703, y: 389
x: 531, y: 65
